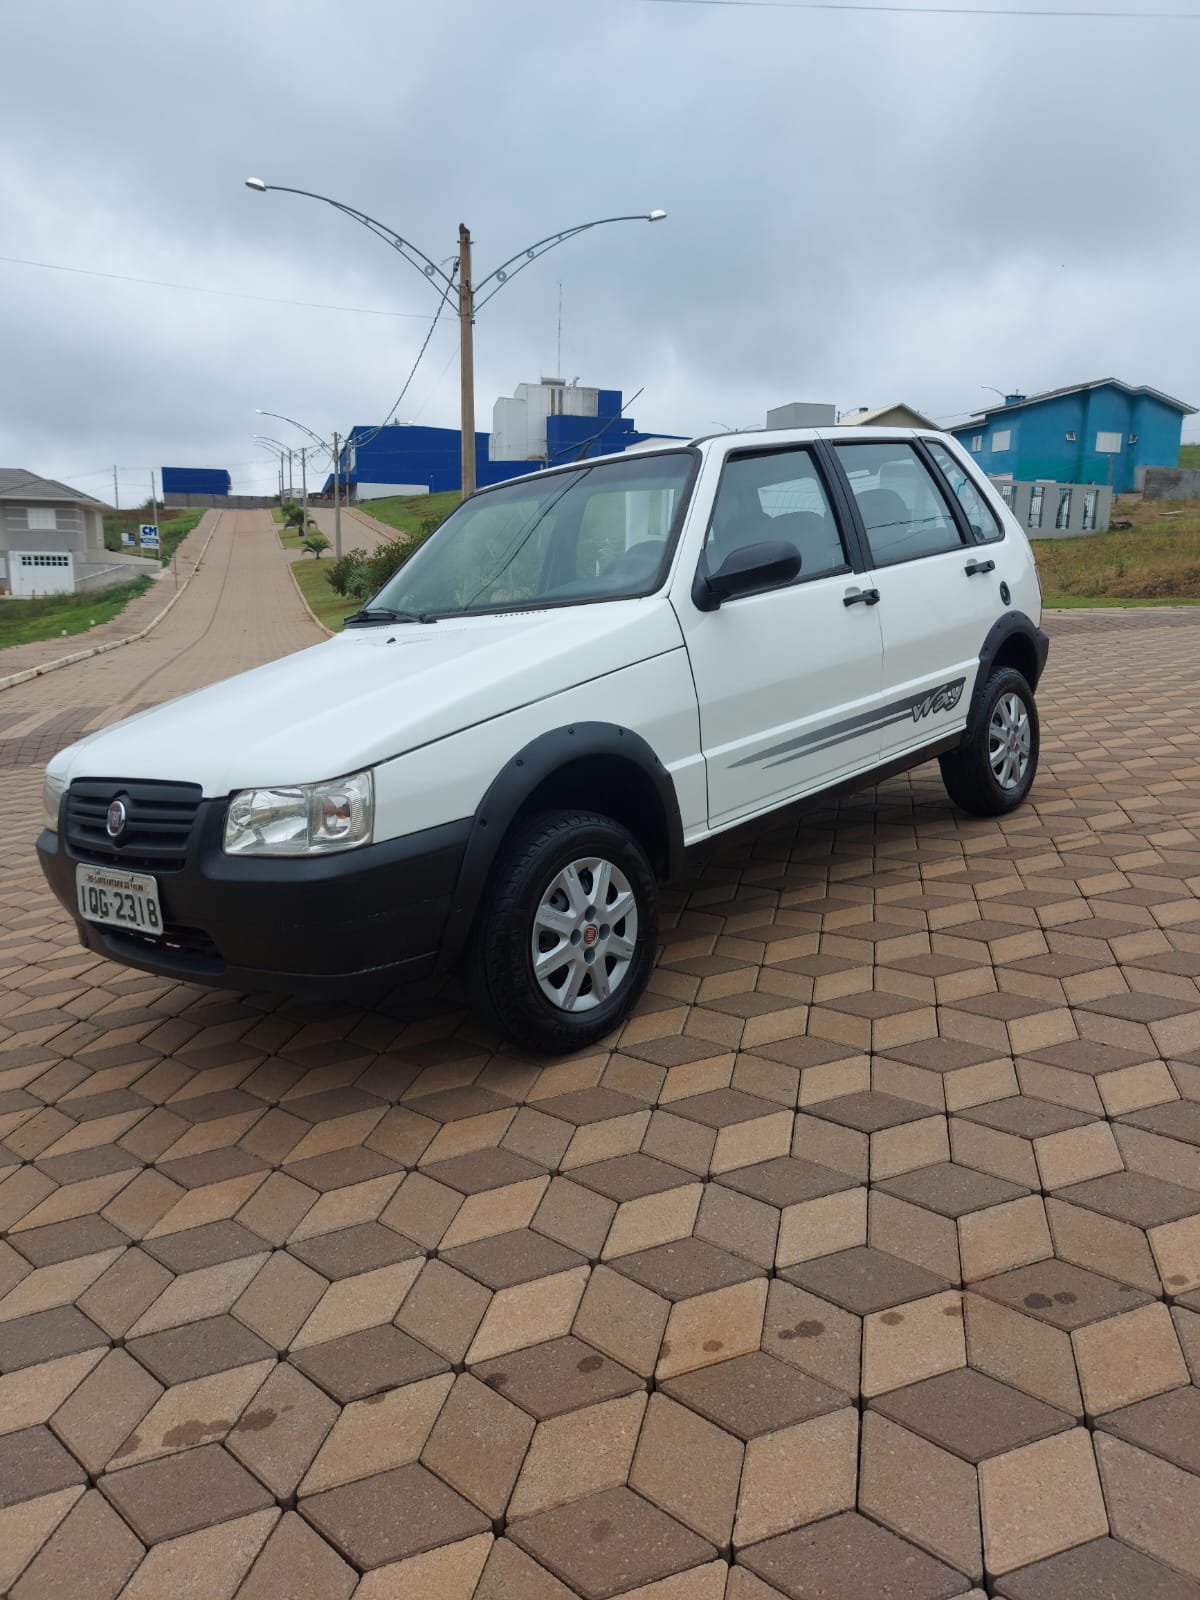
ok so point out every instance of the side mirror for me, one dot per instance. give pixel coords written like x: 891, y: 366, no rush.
x: 766, y: 565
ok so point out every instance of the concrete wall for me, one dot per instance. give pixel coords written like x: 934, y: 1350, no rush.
x: 1170, y: 483
x: 1040, y: 507
x: 225, y: 502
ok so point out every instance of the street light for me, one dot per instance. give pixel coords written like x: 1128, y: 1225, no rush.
x: 279, y: 451
x: 471, y: 296
x: 335, y: 457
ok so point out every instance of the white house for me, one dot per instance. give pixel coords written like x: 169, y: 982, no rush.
x: 52, y: 539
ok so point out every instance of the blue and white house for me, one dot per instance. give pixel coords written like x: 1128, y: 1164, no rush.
x: 1092, y: 433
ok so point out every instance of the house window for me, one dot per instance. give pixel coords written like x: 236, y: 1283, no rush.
x: 976, y: 442
x: 1090, y: 499
x: 1109, y: 444
x: 41, y: 517
x: 1133, y: 438
x: 1071, y: 436
x: 1002, y: 440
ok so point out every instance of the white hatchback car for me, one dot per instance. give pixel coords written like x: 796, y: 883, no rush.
x: 579, y: 675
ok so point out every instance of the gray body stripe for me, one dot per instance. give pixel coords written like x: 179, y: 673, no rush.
x: 864, y: 722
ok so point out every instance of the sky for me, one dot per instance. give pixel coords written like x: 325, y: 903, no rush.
x: 864, y: 206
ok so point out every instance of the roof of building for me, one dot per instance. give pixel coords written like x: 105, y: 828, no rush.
x: 17, y: 484
x: 1076, y: 388
x: 868, y: 415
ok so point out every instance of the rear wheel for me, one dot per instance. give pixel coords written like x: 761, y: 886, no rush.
x: 994, y: 768
x: 566, y: 937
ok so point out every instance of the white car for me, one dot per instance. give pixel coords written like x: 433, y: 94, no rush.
x: 581, y: 674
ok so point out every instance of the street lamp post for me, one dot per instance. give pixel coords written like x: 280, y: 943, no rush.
x: 471, y: 296
x: 335, y: 454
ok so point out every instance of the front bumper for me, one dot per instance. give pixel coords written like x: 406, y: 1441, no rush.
x: 322, y: 926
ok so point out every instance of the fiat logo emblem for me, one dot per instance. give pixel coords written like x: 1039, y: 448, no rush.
x: 590, y: 935
x: 114, y: 823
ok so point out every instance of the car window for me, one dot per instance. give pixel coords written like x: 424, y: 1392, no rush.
x: 902, y: 510
x: 775, y: 495
x: 979, y: 514
x: 594, y: 533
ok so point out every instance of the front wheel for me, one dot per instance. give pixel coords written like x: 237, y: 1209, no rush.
x: 567, y: 934
x: 993, y: 769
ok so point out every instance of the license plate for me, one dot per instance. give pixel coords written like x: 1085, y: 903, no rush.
x: 120, y: 899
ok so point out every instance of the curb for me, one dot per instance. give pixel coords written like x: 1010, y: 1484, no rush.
x: 303, y: 602
x: 30, y: 673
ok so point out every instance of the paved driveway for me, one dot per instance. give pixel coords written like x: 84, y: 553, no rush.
x: 867, y: 1257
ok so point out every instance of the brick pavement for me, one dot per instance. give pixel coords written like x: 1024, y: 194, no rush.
x: 864, y: 1262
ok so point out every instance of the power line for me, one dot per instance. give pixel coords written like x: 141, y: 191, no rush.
x: 935, y: 10
x: 228, y: 294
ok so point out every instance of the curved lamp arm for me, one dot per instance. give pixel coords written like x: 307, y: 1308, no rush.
x: 279, y: 417
x: 417, y: 258
x: 509, y: 269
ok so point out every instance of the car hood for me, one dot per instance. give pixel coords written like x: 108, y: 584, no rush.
x: 370, y: 694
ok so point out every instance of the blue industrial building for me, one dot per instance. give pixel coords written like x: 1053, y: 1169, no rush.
x: 194, y: 480
x: 413, y: 459
x: 1100, y: 432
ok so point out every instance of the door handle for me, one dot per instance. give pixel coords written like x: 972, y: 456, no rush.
x: 862, y: 597
x: 972, y: 567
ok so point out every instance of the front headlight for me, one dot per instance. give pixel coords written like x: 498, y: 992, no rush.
x: 307, y: 820
x: 52, y: 793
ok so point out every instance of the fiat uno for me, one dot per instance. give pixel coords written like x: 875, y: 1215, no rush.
x: 581, y: 674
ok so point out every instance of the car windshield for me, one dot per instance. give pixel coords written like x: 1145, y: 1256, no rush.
x: 596, y: 533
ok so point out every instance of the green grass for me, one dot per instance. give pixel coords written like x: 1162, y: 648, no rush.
x: 406, y: 513
x: 1155, y: 561
x: 329, y: 607
x: 1073, y: 602
x: 1189, y: 455
x: 26, y: 621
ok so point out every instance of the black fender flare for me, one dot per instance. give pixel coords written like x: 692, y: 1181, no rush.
x: 1011, y: 624
x: 549, y: 753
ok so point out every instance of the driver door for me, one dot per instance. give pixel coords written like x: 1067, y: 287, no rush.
x: 789, y: 680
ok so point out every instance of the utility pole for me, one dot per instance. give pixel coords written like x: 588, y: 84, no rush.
x: 291, y: 479
x: 116, y: 492
x: 337, y: 503
x: 304, y: 479
x: 466, y: 318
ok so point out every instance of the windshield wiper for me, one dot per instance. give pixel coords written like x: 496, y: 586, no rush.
x: 376, y: 614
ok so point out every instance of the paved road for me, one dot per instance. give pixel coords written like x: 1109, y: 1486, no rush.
x: 871, y: 1245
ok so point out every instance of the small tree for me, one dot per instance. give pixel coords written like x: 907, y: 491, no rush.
x: 293, y: 515
x: 315, y: 543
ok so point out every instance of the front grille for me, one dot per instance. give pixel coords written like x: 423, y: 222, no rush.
x: 159, y: 822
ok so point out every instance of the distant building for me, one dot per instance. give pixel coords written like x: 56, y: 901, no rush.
x: 545, y: 424
x: 552, y: 422
x: 194, y: 480
x: 893, y: 416
x: 802, y: 414
x: 1102, y: 432
x: 52, y: 539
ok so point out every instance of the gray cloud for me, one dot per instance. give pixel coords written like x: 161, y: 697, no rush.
x: 862, y: 208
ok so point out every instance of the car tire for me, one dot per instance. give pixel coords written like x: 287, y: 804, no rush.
x: 993, y: 769
x: 542, y: 903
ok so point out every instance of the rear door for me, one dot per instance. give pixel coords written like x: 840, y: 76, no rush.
x: 936, y: 600
x: 788, y: 679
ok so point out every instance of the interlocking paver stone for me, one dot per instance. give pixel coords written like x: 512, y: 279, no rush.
x: 392, y: 1515
x: 608, y: 1543
x: 33, y: 1463
x: 216, y: 1181
x: 847, y: 1557
x: 180, y: 1493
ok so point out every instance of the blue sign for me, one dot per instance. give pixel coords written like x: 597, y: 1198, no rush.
x: 149, y: 535
x: 127, y: 536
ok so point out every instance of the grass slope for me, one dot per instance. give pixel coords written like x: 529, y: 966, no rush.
x: 26, y: 621
x: 1189, y: 455
x: 170, y: 531
x: 1157, y: 561
x: 328, y: 606
x: 406, y: 513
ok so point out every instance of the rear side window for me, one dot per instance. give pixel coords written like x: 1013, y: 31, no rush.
x: 979, y: 514
x: 776, y: 495
x: 903, y: 511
